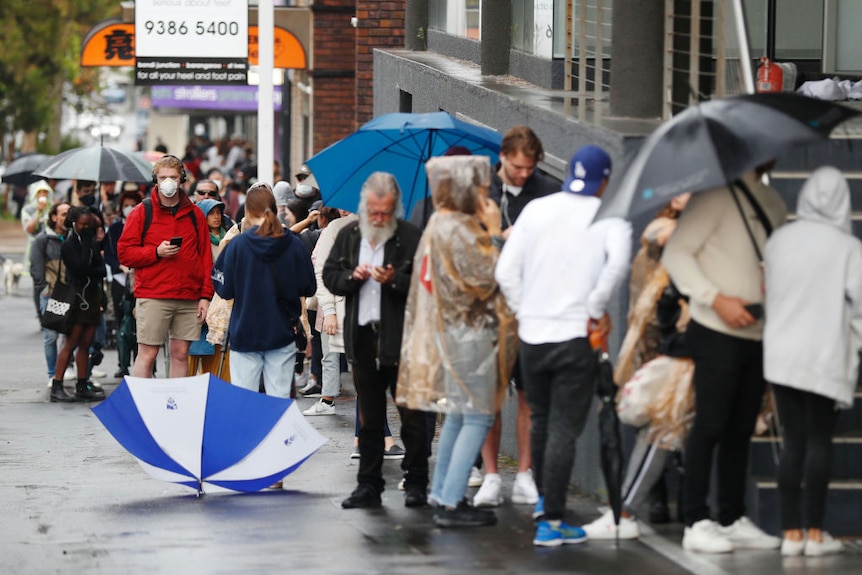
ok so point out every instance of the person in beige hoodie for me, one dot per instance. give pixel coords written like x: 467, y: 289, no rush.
x: 714, y: 257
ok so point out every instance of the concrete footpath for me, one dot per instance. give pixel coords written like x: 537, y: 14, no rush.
x: 73, y: 501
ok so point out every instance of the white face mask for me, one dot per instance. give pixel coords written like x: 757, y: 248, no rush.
x: 168, y: 188
x: 241, y: 199
x: 127, y: 210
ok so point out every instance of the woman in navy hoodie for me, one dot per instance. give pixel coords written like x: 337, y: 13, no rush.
x: 265, y: 271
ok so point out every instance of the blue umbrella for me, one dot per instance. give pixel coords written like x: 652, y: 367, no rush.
x: 204, y: 433
x: 399, y: 144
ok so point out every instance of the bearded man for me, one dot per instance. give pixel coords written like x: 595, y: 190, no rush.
x: 370, y: 264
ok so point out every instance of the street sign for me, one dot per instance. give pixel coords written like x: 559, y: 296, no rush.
x: 191, y: 41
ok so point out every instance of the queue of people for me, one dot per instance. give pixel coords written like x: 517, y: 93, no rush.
x: 505, y: 283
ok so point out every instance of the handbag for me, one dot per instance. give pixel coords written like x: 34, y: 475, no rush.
x: 58, y: 312
x: 638, y: 394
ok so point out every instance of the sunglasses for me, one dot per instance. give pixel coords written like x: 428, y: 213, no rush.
x: 210, y: 193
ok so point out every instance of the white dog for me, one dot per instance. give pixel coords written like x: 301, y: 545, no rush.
x: 12, y: 275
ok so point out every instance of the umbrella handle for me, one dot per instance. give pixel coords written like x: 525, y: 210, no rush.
x: 598, y: 341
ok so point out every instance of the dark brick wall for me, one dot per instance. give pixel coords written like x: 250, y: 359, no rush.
x: 380, y: 25
x: 334, y: 71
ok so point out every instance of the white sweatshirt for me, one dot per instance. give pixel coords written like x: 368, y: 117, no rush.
x: 558, y: 269
x: 814, y: 294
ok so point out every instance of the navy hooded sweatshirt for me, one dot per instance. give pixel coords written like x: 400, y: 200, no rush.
x: 263, y: 316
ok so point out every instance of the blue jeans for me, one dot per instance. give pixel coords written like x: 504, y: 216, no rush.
x: 275, y: 364
x: 49, y: 339
x: 461, y: 439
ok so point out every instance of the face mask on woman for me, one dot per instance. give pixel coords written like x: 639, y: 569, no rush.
x: 127, y: 210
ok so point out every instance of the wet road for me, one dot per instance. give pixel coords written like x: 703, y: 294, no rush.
x: 73, y: 501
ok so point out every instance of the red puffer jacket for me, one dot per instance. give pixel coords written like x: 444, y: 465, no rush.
x: 184, y: 276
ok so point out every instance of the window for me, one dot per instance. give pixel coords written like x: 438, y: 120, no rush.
x: 455, y: 17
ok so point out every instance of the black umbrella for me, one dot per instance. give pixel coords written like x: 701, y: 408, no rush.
x: 20, y: 171
x: 713, y: 143
x: 98, y: 164
x: 610, y: 440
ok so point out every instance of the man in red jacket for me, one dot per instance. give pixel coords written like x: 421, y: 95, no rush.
x: 167, y: 242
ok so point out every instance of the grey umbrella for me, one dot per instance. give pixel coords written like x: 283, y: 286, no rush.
x: 98, y: 164
x: 713, y: 143
x: 20, y: 171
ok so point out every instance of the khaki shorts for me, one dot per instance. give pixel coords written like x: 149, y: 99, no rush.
x: 159, y: 318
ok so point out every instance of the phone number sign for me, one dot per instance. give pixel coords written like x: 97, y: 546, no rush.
x: 191, y: 42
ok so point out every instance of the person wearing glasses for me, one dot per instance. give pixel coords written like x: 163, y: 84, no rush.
x: 370, y: 264
x: 208, y: 190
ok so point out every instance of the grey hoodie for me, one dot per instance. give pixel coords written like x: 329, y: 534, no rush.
x: 813, y: 298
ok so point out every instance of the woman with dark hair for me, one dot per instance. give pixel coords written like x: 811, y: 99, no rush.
x: 83, y: 269
x: 265, y: 271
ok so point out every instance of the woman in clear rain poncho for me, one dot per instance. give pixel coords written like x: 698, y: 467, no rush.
x: 459, y: 335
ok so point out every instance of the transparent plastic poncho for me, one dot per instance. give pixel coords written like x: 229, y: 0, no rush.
x: 460, y: 337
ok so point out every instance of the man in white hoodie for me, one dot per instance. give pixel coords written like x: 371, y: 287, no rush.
x: 714, y: 258
x: 558, y: 270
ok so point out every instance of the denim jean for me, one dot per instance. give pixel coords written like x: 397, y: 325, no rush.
x: 560, y: 381
x: 330, y: 367
x: 460, y: 441
x: 49, y: 339
x: 275, y: 364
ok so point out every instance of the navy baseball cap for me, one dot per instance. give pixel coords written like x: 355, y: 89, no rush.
x: 588, y: 168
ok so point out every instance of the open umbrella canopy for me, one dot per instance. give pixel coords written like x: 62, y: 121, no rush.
x: 20, y: 171
x: 399, y: 144
x: 713, y: 143
x: 207, y: 434
x: 98, y: 164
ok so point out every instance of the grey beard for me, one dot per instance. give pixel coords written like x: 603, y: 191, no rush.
x: 377, y: 236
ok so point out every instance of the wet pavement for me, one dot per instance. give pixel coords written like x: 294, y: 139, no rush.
x: 72, y: 500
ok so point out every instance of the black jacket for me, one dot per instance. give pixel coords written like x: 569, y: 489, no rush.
x: 536, y: 186
x: 338, y: 278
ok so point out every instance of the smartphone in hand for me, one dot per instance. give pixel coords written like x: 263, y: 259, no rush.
x: 177, y: 241
x: 755, y: 310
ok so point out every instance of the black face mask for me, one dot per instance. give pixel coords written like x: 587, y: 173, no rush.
x: 87, y: 233
x: 88, y: 200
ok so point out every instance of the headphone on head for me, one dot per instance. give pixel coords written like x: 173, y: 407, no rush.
x: 182, y: 169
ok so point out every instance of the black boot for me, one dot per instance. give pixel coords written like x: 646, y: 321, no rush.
x: 85, y: 390
x: 58, y: 394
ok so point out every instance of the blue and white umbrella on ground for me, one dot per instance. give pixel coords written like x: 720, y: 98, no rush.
x: 207, y: 434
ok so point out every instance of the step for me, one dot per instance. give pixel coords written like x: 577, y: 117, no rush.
x: 843, y: 503
x: 788, y: 185
x: 843, y: 153
x: 846, y: 457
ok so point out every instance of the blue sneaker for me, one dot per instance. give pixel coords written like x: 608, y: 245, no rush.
x: 539, y: 510
x: 556, y: 533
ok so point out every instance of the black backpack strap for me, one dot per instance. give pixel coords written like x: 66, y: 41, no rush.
x: 761, y: 215
x: 148, y: 218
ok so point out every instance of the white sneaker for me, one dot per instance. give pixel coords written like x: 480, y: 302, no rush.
x: 744, y: 534
x: 604, y: 528
x: 320, y: 408
x: 71, y: 374
x: 825, y: 547
x: 704, y: 537
x: 790, y: 548
x: 475, y: 475
x: 489, y: 494
x: 300, y: 380
x: 51, y: 384
x: 98, y: 374
x: 524, y: 490
x: 305, y: 386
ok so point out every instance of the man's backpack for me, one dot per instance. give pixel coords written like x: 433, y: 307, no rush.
x: 148, y: 219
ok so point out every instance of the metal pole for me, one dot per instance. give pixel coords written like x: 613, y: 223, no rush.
x: 771, y: 8
x: 744, y: 54
x: 265, y: 107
